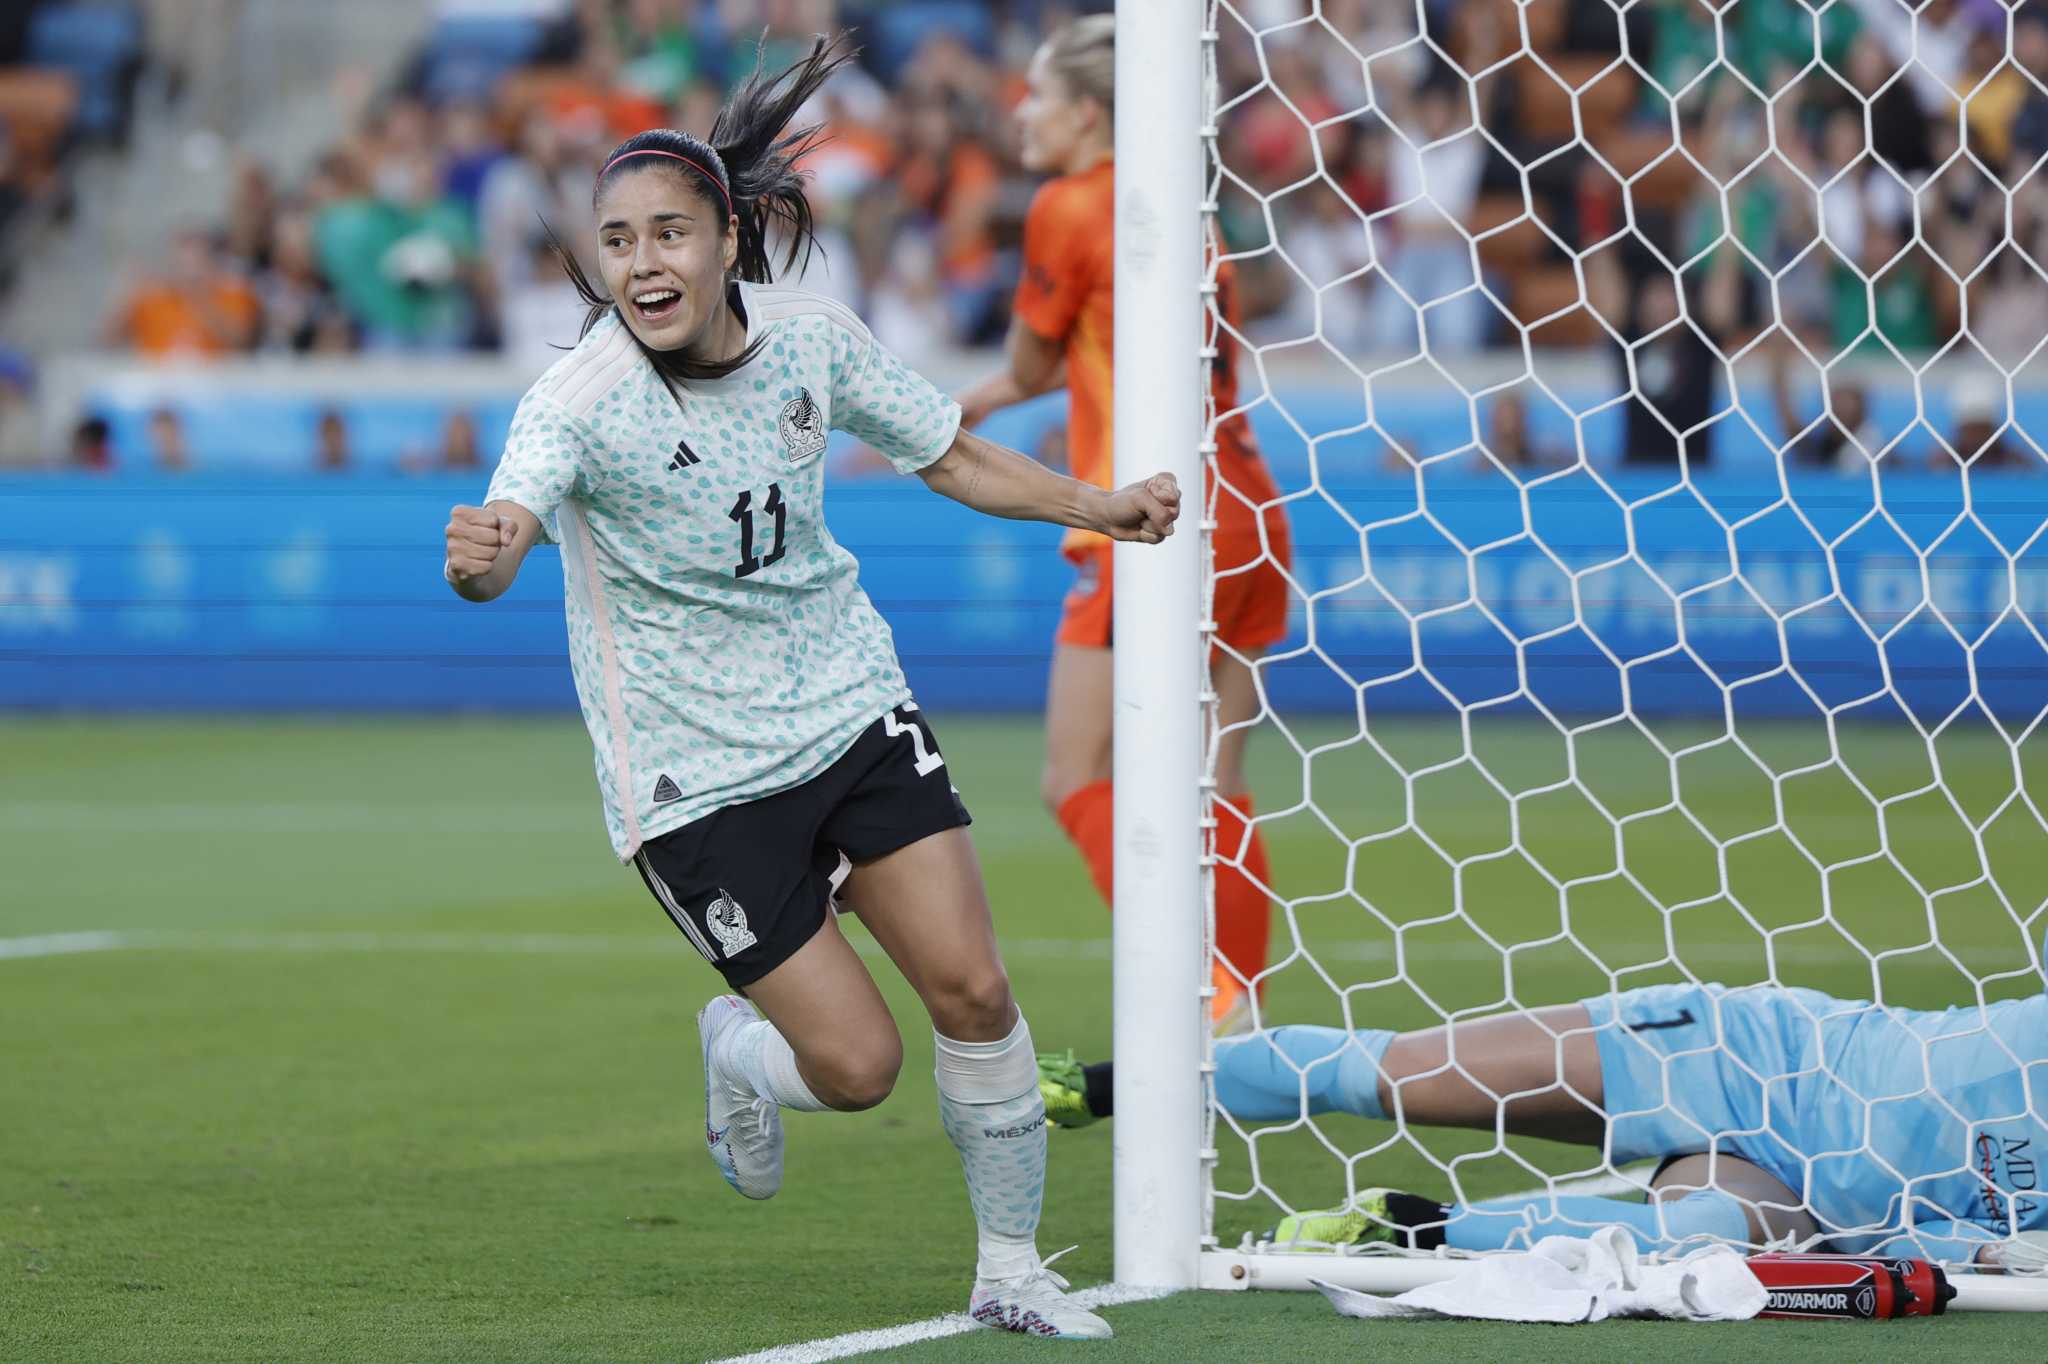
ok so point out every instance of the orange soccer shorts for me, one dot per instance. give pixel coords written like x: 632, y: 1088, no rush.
x: 1251, y: 605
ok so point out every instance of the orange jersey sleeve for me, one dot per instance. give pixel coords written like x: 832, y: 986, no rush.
x: 1065, y: 241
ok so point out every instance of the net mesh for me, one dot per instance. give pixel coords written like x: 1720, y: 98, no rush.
x: 1653, y: 391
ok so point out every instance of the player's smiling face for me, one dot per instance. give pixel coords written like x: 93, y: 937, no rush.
x: 665, y: 250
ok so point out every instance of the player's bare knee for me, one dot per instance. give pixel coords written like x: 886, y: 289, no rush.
x: 856, y: 1080
x: 974, y: 1006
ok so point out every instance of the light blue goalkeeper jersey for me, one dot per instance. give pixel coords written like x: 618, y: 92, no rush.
x: 1886, y: 1121
x: 722, y: 646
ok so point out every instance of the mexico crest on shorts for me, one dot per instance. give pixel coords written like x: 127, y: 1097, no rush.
x: 728, y: 923
x: 802, y: 427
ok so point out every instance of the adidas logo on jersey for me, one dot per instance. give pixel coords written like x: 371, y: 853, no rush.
x: 666, y: 790
x: 684, y: 457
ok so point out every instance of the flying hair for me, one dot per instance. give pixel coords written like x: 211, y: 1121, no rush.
x: 749, y: 168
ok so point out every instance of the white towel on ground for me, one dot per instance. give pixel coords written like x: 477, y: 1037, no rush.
x: 1573, y: 1279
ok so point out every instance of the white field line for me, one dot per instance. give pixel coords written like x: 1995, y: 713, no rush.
x: 933, y: 1328
x: 59, y: 944
x: 581, y: 944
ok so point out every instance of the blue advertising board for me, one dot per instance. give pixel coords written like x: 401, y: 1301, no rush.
x: 1430, y: 593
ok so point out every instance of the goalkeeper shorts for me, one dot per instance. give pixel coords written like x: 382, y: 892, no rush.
x: 1691, y: 1069
x: 749, y: 884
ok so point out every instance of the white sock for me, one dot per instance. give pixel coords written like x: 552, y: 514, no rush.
x: 756, y: 1053
x: 989, y: 1103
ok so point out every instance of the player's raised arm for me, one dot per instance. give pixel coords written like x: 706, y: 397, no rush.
x: 486, y: 545
x: 1000, y: 482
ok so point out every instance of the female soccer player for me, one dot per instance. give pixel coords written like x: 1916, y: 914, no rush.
x: 751, y: 721
x: 1061, y: 332
x: 1776, y: 1112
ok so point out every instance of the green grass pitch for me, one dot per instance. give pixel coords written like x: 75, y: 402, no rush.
x: 398, y: 1064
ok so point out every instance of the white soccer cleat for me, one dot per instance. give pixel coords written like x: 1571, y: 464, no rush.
x: 1034, y: 1304
x: 742, y: 1130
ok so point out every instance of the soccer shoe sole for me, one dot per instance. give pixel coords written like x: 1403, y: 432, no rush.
x: 717, y: 1139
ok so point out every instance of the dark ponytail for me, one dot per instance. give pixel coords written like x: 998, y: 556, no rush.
x: 749, y: 168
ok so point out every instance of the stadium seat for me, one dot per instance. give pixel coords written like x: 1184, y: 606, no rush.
x: 100, y: 44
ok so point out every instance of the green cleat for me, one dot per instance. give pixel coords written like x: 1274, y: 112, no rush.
x: 1064, y: 1088
x: 1376, y: 1217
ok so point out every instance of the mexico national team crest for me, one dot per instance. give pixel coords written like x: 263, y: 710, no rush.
x: 728, y: 923
x: 802, y: 426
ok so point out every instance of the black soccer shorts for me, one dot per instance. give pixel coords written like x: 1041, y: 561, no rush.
x: 749, y: 884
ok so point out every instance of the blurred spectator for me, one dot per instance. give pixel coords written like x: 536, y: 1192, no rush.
x: 469, y: 149
x: 907, y: 309
x: 168, y: 451
x: 544, y: 184
x: 672, y: 47
x: 1422, y: 249
x: 400, y: 262
x: 196, y: 307
x: 330, y: 443
x: 1898, y: 123
x: 460, y: 451
x: 1843, y: 439
x: 1914, y: 301
x: 947, y: 182
x: 592, y: 100
x: 1673, y: 365
x: 2030, y: 52
x: 20, y: 432
x: 1508, y: 440
x: 252, y: 213
x: 300, y: 312
x: 542, y: 316
x: 92, y: 445
x: 1980, y: 440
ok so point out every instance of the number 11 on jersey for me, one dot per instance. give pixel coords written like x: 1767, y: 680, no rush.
x: 743, y: 512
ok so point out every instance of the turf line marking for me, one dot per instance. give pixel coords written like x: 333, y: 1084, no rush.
x: 581, y: 944
x: 58, y: 944
x: 932, y: 1328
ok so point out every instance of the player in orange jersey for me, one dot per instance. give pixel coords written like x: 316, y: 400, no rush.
x: 1062, y: 333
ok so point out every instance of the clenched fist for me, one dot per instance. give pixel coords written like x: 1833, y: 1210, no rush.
x: 1144, y: 512
x: 475, y: 535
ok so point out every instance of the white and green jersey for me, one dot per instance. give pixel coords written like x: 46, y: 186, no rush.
x: 722, y: 645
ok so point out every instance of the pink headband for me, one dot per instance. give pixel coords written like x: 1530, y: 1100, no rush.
x: 673, y: 156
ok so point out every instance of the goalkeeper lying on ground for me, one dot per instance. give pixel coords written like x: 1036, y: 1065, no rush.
x: 1775, y: 1112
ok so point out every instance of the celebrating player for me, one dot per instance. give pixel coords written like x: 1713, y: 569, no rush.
x: 751, y: 721
x: 1062, y: 332
x: 1775, y: 1112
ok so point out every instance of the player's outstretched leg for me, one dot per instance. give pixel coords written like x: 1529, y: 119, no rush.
x: 925, y: 905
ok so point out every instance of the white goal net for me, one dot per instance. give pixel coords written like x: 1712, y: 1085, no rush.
x: 1657, y: 395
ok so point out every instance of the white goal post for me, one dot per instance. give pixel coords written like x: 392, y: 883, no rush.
x: 1464, y: 600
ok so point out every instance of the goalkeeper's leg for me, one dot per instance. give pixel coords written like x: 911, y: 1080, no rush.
x: 1454, y: 1076
x: 926, y: 906
x: 1692, y: 1197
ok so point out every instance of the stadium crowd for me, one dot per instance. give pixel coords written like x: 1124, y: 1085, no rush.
x: 1355, y: 184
